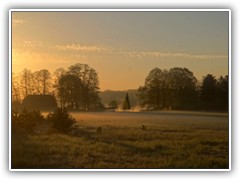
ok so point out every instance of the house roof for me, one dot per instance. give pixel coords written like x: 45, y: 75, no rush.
x: 40, y: 102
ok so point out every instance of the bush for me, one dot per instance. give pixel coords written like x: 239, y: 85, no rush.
x: 25, y: 121
x: 61, y: 120
x: 31, y: 121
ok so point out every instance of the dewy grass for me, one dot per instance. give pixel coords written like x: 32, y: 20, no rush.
x: 123, y: 144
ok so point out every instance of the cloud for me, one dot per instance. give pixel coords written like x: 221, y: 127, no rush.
x: 32, y: 44
x: 17, y: 22
x: 77, y: 48
x: 154, y: 54
x: 82, y: 48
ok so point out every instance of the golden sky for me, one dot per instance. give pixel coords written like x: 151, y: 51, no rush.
x: 121, y: 46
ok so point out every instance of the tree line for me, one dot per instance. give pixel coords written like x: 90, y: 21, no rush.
x: 77, y: 88
x: 178, y: 88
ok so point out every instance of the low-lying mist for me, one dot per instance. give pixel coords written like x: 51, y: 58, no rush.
x: 133, y: 109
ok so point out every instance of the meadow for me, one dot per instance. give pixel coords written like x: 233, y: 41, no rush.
x: 162, y: 140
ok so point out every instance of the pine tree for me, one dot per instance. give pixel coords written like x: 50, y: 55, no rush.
x: 126, y: 104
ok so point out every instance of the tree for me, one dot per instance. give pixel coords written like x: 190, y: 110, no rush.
x: 69, y: 90
x: 175, y: 89
x: 126, y: 103
x: 90, y: 84
x: 26, y: 82
x: 57, y: 75
x: 153, y: 93
x: 182, y: 88
x: 222, y: 93
x: 61, y: 120
x: 36, y: 80
x: 208, y: 92
x: 16, y: 96
x: 45, y: 80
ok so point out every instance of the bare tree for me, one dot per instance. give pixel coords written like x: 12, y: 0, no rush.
x: 16, y: 96
x: 37, y: 82
x: 45, y: 80
x: 26, y: 82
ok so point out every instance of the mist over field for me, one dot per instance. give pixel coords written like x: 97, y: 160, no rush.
x: 152, y: 117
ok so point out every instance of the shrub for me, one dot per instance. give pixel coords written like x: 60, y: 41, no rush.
x: 25, y: 121
x: 61, y: 120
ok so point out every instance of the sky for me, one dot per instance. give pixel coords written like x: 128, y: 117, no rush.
x: 123, y: 47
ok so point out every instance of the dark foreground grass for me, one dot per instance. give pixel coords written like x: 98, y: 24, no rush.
x: 167, y: 144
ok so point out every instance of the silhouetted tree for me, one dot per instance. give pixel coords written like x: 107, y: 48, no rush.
x: 42, y: 82
x: 58, y: 73
x: 222, y: 93
x: 126, y: 103
x: 69, y: 90
x: 153, y: 93
x: 26, y: 82
x: 45, y: 80
x: 208, y: 92
x: 181, y: 85
x: 90, y: 84
x: 175, y: 88
x: 37, y: 82
x: 61, y: 120
x: 16, y: 96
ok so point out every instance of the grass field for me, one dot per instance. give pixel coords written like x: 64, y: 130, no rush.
x: 118, y: 140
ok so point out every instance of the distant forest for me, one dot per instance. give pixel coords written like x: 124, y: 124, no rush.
x: 77, y: 88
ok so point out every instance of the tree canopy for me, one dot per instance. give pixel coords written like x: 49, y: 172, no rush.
x: 168, y: 89
x: 177, y: 89
x: 78, y: 87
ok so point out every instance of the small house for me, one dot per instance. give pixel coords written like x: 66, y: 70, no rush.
x: 40, y: 102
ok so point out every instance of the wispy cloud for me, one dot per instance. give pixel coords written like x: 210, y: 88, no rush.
x: 32, y: 44
x: 17, y: 22
x: 83, y: 48
x: 156, y: 54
